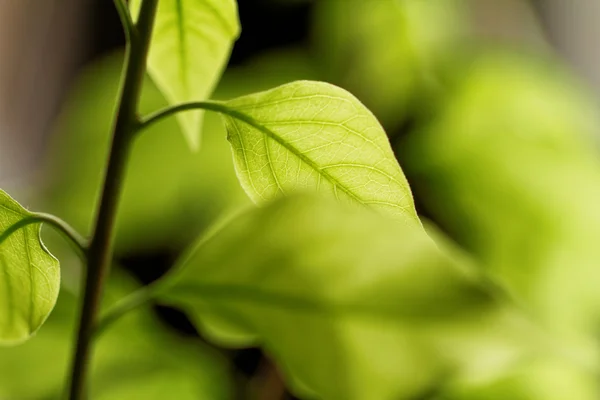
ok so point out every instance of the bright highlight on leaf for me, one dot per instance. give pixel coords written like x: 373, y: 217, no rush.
x: 190, y: 46
x: 315, y: 136
x: 351, y: 304
x: 29, y: 276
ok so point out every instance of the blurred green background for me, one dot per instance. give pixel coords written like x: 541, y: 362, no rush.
x: 496, y: 133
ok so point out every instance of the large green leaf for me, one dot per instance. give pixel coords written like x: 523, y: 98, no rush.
x: 190, y: 47
x: 352, y: 305
x: 309, y: 135
x: 29, y: 276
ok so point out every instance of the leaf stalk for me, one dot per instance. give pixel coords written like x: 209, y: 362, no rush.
x: 129, y: 27
x: 67, y: 231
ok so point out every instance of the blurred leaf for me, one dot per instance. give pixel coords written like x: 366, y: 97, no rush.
x: 316, y: 136
x: 385, y: 51
x: 30, y: 276
x: 540, y: 379
x: 135, y: 352
x: 170, y: 194
x: 511, y: 169
x: 352, y: 305
x: 190, y: 47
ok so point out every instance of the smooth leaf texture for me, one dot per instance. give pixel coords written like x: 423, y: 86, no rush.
x: 352, y: 305
x: 190, y: 46
x: 309, y: 135
x: 29, y: 276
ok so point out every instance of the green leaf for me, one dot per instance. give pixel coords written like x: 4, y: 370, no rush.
x: 352, y: 305
x: 29, y: 276
x: 316, y: 136
x: 190, y: 46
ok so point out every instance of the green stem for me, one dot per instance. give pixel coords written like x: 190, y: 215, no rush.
x: 101, y: 245
x: 172, y: 110
x: 215, y: 106
x: 126, y: 21
x: 129, y: 303
x: 58, y: 224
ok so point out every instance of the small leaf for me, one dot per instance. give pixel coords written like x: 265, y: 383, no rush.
x: 190, y: 46
x: 313, y: 135
x: 29, y: 276
x: 352, y: 305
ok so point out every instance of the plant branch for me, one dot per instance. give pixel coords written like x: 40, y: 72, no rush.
x: 215, y: 106
x: 172, y: 110
x: 126, y: 21
x: 131, y: 302
x: 67, y: 231
x: 101, y: 245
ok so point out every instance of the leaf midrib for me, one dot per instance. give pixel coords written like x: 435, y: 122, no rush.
x: 244, y: 293
x: 182, y: 45
x: 273, y: 136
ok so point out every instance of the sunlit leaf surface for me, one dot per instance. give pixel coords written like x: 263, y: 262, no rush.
x: 315, y: 136
x: 29, y: 276
x: 190, y: 46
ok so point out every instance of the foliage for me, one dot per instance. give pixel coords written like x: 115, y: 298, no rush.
x: 329, y: 268
x: 189, y: 49
x: 312, y: 135
x: 30, y: 274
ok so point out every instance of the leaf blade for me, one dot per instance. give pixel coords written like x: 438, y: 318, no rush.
x: 30, y: 276
x: 309, y: 135
x: 189, y: 49
x: 342, y: 302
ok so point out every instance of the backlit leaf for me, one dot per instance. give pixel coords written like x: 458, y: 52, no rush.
x: 351, y: 305
x: 190, y: 46
x: 309, y: 135
x: 29, y: 276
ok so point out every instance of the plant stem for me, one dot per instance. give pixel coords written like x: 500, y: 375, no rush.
x: 101, y: 245
x: 61, y: 226
x: 172, y: 110
x: 211, y: 105
x: 129, y: 303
